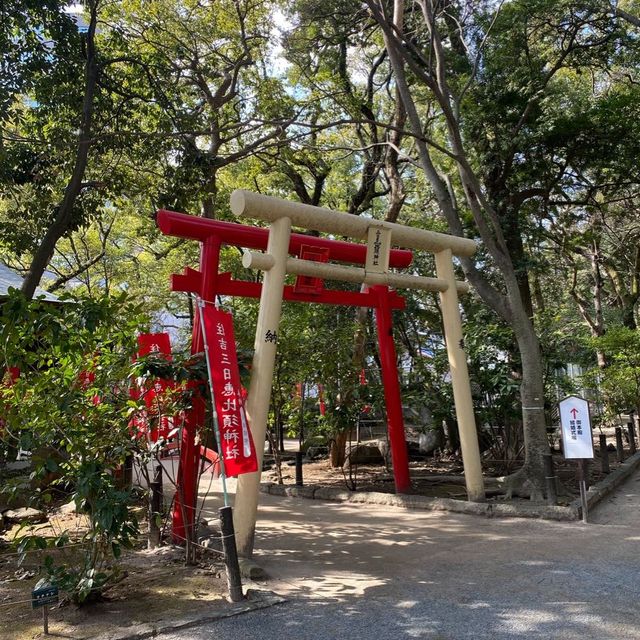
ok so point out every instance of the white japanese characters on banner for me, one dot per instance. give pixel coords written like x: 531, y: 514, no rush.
x: 155, y: 391
x: 577, y: 441
x: 237, y: 445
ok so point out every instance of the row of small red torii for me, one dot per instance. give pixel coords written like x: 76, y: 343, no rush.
x: 207, y: 283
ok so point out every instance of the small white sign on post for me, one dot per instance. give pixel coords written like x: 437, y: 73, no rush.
x: 577, y: 441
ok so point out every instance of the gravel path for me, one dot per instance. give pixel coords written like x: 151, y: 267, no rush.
x: 377, y: 573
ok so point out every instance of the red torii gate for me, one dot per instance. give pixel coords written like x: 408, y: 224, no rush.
x: 207, y: 283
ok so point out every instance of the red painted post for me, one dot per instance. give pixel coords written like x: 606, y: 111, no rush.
x: 393, y: 401
x: 187, y: 477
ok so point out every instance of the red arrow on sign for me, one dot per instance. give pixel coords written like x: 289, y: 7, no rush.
x: 575, y: 412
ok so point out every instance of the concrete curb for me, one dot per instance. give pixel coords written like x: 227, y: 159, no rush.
x: 487, y: 509
x: 255, y: 600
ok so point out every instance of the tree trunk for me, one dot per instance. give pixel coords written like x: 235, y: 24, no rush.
x: 337, y: 450
x: 515, y: 309
x: 628, y: 314
x: 62, y: 220
x: 536, y: 443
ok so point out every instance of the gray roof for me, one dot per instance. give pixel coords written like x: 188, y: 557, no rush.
x: 9, y: 278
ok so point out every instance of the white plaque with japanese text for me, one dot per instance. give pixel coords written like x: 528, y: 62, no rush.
x: 577, y: 441
x: 378, y: 249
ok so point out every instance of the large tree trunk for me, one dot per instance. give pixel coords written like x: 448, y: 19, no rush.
x: 337, y: 449
x: 534, y: 429
x: 515, y: 307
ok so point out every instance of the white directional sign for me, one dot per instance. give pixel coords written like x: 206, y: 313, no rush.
x: 577, y: 441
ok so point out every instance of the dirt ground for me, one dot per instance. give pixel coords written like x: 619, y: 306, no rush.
x: 152, y: 585
x: 434, y: 476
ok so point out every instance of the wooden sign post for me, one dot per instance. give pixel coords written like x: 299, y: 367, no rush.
x: 577, y: 440
x: 43, y: 595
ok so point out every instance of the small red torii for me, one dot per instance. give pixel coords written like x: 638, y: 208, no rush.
x: 207, y: 283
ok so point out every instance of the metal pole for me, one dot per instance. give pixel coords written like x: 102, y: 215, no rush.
x: 234, y: 579
x: 582, y: 475
x: 155, y: 508
x: 299, y: 468
x: 550, y: 479
x: 216, y: 422
x: 301, y: 416
x: 187, y: 477
x: 257, y: 405
x: 393, y: 401
x: 460, y: 378
x: 604, y: 454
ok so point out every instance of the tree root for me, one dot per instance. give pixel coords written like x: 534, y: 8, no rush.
x: 519, y: 484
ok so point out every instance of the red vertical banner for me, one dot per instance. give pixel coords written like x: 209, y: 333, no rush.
x: 158, y: 344
x: 238, y: 450
x: 323, y: 408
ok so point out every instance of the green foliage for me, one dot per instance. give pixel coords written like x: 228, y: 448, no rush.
x: 619, y: 380
x: 71, y: 408
x: 189, y: 107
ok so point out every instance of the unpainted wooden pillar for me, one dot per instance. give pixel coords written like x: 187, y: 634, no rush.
x: 460, y: 378
x: 257, y: 405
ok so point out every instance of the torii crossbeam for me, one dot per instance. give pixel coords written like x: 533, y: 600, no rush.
x: 380, y: 236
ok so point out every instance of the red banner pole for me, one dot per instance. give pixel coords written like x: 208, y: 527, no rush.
x: 393, y: 401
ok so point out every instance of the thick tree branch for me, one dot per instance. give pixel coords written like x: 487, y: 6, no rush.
x: 64, y: 213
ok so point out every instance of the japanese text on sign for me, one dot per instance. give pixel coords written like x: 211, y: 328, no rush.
x: 237, y: 447
x: 576, y: 428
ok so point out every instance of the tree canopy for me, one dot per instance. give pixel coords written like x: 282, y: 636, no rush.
x: 512, y: 123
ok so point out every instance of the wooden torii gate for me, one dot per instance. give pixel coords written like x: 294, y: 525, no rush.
x: 380, y: 236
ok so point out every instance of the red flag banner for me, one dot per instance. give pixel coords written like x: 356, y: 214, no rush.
x: 158, y: 344
x: 238, y: 450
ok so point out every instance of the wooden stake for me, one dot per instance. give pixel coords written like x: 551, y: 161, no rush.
x: 604, y: 454
x: 550, y: 479
x: 632, y: 438
x: 619, y: 445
